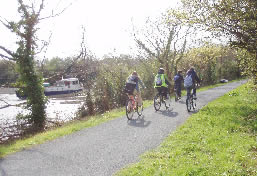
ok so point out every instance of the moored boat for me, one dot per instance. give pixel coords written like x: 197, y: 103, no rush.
x: 63, y: 86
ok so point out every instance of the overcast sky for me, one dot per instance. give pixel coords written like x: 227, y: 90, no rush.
x: 108, y: 24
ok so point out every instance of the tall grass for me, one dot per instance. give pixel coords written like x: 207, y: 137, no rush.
x: 219, y: 140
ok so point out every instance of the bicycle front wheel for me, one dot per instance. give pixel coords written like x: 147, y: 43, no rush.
x: 129, y: 109
x: 157, y: 102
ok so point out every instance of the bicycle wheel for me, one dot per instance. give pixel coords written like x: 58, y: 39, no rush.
x: 167, y: 101
x: 189, y: 104
x: 176, y: 94
x: 140, y: 109
x: 157, y: 102
x: 129, y: 109
x: 193, y: 103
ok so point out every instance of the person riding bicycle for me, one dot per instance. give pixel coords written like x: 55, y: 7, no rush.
x: 161, y: 83
x: 132, y: 86
x: 178, y: 79
x: 190, y: 82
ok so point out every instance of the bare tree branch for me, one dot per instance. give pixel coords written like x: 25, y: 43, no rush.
x: 8, y: 105
x: 57, y: 14
x: 12, y: 54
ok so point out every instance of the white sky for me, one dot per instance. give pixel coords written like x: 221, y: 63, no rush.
x: 108, y: 24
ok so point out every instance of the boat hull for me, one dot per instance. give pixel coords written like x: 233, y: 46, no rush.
x: 50, y: 93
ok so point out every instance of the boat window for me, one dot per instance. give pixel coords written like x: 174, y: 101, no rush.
x: 75, y: 82
x: 67, y: 83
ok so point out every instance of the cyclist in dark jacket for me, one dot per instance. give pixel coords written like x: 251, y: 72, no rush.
x: 195, y: 80
x: 178, y: 79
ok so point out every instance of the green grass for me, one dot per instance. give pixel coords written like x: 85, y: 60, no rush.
x: 68, y: 128
x: 219, y: 140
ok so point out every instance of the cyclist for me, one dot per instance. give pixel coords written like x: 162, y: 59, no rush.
x: 161, y: 83
x: 132, y: 86
x: 178, y: 79
x: 190, y: 82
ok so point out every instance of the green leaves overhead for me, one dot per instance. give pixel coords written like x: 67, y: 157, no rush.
x: 235, y: 19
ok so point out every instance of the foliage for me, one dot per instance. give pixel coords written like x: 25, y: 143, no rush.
x: 236, y: 19
x: 212, y: 63
x: 248, y: 64
x: 7, y: 72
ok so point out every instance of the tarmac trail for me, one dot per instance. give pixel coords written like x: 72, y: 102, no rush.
x: 105, y: 149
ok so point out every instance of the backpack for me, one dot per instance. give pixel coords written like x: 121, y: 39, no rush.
x: 188, y: 81
x: 176, y: 78
x: 158, y: 80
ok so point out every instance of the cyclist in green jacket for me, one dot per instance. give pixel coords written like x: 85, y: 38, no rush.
x: 161, y: 83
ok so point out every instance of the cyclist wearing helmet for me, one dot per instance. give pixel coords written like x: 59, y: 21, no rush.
x: 161, y: 83
x: 132, y: 86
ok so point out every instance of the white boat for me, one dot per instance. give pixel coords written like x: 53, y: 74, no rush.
x: 64, y: 86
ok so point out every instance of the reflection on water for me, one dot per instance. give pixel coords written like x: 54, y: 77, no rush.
x: 57, y: 108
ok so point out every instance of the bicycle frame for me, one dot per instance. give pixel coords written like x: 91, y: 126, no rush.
x: 132, y: 106
x: 157, y: 104
x: 134, y: 99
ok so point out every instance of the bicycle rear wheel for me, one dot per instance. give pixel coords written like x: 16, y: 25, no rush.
x: 140, y: 109
x: 129, y: 109
x: 176, y: 94
x: 189, y: 104
x: 193, y: 104
x: 157, y: 102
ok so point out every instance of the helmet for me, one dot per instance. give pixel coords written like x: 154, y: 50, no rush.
x: 192, y: 68
x: 134, y: 73
x: 161, y: 70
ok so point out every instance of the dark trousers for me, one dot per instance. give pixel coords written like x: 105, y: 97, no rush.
x: 189, y: 90
x: 163, y: 91
x: 177, y: 88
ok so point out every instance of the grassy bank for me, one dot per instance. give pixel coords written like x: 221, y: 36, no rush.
x: 219, y: 140
x: 69, y: 128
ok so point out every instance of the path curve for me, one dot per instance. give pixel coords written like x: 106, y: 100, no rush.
x: 106, y: 148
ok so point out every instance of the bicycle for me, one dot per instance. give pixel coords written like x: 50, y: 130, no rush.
x: 132, y: 106
x: 159, y: 100
x: 190, y: 102
x: 177, y: 97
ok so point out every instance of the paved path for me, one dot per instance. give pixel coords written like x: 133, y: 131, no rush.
x: 104, y: 149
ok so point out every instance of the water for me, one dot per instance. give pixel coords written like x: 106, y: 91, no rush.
x: 63, y: 109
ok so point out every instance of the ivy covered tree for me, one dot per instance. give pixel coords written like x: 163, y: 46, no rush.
x: 236, y: 19
x: 26, y: 29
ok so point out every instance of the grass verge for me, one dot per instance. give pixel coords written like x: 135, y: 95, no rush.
x: 219, y: 140
x: 69, y: 128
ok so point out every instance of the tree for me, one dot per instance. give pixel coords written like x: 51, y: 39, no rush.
x: 26, y: 29
x: 165, y: 39
x: 237, y: 19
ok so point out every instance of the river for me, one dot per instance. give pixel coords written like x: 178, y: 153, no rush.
x: 60, y: 109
